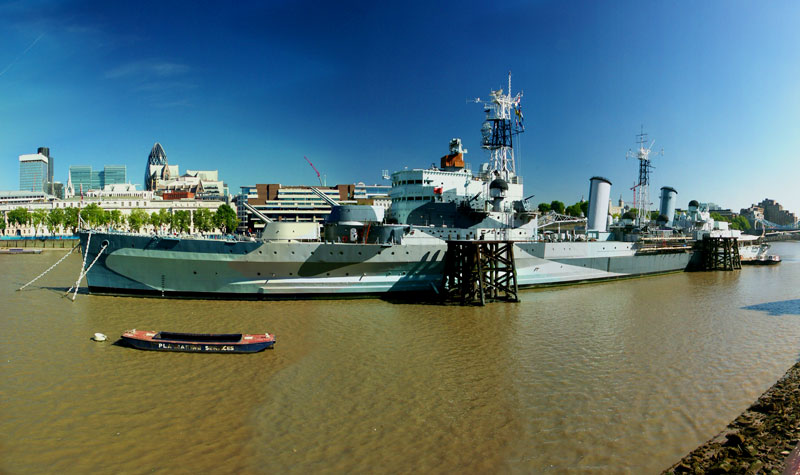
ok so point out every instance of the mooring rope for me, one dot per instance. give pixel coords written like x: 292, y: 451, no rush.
x: 51, y: 268
x: 83, y: 273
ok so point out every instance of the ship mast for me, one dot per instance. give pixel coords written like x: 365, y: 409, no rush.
x: 641, y: 198
x: 503, y: 122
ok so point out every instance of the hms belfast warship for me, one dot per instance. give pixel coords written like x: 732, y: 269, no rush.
x: 363, y: 250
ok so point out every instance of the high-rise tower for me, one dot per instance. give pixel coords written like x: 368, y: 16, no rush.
x: 156, y: 164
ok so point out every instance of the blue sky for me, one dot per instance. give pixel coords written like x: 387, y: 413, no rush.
x: 358, y: 87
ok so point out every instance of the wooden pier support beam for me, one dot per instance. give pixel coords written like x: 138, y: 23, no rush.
x: 477, y: 271
x: 721, y: 253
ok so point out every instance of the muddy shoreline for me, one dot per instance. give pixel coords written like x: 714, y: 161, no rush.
x: 761, y: 440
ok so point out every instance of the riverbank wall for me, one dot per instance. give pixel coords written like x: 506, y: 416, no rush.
x: 41, y: 243
x: 763, y: 439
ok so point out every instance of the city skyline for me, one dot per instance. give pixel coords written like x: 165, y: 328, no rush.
x: 253, y: 89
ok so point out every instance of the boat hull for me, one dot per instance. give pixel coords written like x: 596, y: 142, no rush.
x: 149, y: 341
x: 206, y: 268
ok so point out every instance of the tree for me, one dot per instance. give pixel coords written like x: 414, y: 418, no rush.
x: 55, y: 218
x: 544, y: 207
x: 203, y: 220
x: 137, y: 219
x: 557, y: 206
x: 160, y: 218
x: 19, y: 216
x: 2, y: 221
x: 164, y: 216
x: 71, y: 219
x: 93, y: 215
x: 585, y: 208
x: 574, y: 210
x: 115, y: 217
x: 155, y: 220
x: 226, y: 219
x: 181, y: 221
x: 741, y: 223
x: 38, y: 218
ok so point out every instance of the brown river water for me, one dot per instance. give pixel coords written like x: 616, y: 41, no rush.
x: 618, y: 377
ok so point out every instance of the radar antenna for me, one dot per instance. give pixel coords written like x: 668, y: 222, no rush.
x: 504, y: 120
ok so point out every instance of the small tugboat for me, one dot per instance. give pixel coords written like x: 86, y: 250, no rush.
x: 198, y: 342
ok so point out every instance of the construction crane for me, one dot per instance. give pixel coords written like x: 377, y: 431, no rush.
x: 315, y: 169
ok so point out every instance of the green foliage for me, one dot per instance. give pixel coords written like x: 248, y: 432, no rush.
x: 19, y: 216
x: 160, y: 218
x: 164, y: 216
x: 38, y: 218
x: 137, y: 219
x: 740, y: 222
x: 544, y: 207
x: 71, y: 218
x: 226, y: 219
x: 557, y: 206
x: 203, y: 220
x: 115, y: 218
x: 654, y: 215
x: 2, y: 221
x: 155, y: 220
x: 585, y: 208
x: 93, y: 215
x: 55, y: 218
x: 180, y: 221
x: 574, y: 210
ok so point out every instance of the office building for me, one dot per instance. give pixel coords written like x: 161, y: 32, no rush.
x: 33, y: 172
x: 82, y: 177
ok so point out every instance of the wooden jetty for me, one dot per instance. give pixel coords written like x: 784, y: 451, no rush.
x: 720, y: 253
x: 477, y: 271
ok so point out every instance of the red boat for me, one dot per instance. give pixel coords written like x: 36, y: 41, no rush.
x: 198, y: 342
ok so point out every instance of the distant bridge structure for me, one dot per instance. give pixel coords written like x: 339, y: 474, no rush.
x: 770, y: 228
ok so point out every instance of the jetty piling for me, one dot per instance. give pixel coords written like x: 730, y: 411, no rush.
x: 477, y: 271
x: 721, y: 253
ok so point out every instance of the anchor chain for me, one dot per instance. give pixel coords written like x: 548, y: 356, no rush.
x: 51, y: 268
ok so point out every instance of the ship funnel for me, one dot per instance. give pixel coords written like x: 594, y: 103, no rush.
x: 599, y: 193
x: 668, y: 198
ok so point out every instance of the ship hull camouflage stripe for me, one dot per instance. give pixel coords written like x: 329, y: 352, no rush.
x: 200, y: 268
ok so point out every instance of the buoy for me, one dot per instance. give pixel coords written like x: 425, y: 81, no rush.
x: 99, y: 337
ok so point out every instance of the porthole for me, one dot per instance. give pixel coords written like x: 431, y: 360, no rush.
x: 258, y: 273
x: 194, y: 272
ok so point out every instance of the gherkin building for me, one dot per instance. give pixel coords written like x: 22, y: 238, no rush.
x: 157, y: 157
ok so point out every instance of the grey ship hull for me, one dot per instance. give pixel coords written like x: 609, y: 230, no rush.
x: 210, y: 268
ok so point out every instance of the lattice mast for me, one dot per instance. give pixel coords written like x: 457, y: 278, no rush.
x: 641, y: 190
x: 503, y: 122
